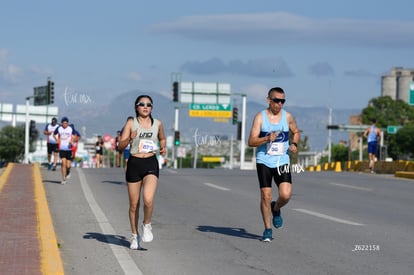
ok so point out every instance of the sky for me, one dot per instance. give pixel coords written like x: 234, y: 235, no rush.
x: 321, y: 52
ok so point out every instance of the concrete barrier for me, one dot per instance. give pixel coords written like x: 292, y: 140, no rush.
x: 338, y: 167
x: 404, y: 174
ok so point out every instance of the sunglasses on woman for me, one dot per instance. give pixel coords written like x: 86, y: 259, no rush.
x: 143, y: 104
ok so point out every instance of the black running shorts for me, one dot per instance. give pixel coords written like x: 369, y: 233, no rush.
x: 279, y: 174
x: 65, y: 154
x: 138, y: 168
x: 52, y: 147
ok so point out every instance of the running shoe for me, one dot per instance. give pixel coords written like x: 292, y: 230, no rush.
x: 277, y: 216
x: 68, y: 174
x: 135, y: 239
x: 267, y: 235
x: 49, y: 165
x: 63, y: 182
x: 146, y: 233
x: 54, y: 168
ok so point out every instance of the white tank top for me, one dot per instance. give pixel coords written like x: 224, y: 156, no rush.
x: 146, y: 140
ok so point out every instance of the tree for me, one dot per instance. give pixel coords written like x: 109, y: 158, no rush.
x: 339, y: 152
x: 12, y: 143
x: 405, y: 140
x: 303, y: 146
x: 389, y: 112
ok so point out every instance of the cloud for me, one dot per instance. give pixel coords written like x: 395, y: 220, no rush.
x: 265, y: 67
x: 256, y: 92
x: 359, y: 73
x: 321, y: 69
x: 281, y: 28
x: 37, y: 70
x: 10, y: 73
x: 134, y: 76
x: 3, y: 55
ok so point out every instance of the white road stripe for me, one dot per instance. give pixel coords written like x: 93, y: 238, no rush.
x: 124, y: 259
x: 323, y: 216
x: 216, y: 186
x: 351, y: 186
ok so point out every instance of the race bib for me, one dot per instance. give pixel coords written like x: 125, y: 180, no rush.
x: 146, y: 146
x: 275, y: 148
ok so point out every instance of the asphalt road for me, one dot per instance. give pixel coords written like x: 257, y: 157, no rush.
x: 209, y: 222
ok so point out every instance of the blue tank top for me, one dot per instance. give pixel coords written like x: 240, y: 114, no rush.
x: 275, y: 153
x: 372, y: 136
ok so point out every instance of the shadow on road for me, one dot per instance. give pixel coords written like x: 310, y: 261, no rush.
x: 53, y: 181
x: 231, y: 231
x: 114, y: 182
x: 112, y: 239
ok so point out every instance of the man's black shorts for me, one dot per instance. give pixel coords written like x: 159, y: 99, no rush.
x: 65, y: 154
x: 279, y: 174
x: 51, y: 148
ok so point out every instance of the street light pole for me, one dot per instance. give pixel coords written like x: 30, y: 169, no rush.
x: 243, y: 130
x: 26, y: 133
x: 174, y: 150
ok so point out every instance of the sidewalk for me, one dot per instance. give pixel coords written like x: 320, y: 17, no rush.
x: 27, y: 239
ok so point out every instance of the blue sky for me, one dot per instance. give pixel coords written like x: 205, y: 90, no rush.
x: 322, y: 52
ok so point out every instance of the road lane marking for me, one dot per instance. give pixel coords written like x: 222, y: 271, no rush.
x: 51, y: 261
x: 327, y: 217
x: 5, y: 175
x: 216, y: 186
x: 351, y: 186
x: 123, y: 257
x: 170, y: 171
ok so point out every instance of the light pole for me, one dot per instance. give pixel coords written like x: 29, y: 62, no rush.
x: 243, y: 135
x: 26, y: 132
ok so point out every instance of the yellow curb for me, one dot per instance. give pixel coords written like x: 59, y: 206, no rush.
x: 51, y: 262
x: 404, y: 174
x: 5, y: 175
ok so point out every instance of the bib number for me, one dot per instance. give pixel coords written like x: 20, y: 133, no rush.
x: 146, y: 146
x: 275, y: 149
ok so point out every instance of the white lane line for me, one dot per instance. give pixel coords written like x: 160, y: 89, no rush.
x: 351, y: 186
x: 124, y: 259
x: 216, y: 186
x: 171, y: 171
x: 323, y: 216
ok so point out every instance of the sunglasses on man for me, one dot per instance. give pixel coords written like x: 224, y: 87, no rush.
x: 278, y: 100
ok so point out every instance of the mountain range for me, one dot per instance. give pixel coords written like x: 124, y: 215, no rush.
x: 93, y: 119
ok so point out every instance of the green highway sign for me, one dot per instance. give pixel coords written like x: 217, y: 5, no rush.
x: 411, y: 94
x: 40, y: 95
x: 210, y: 107
x: 210, y: 110
x: 391, y: 129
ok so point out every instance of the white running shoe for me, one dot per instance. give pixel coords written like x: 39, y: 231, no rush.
x: 146, y: 233
x: 63, y: 182
x: 135, y: 239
